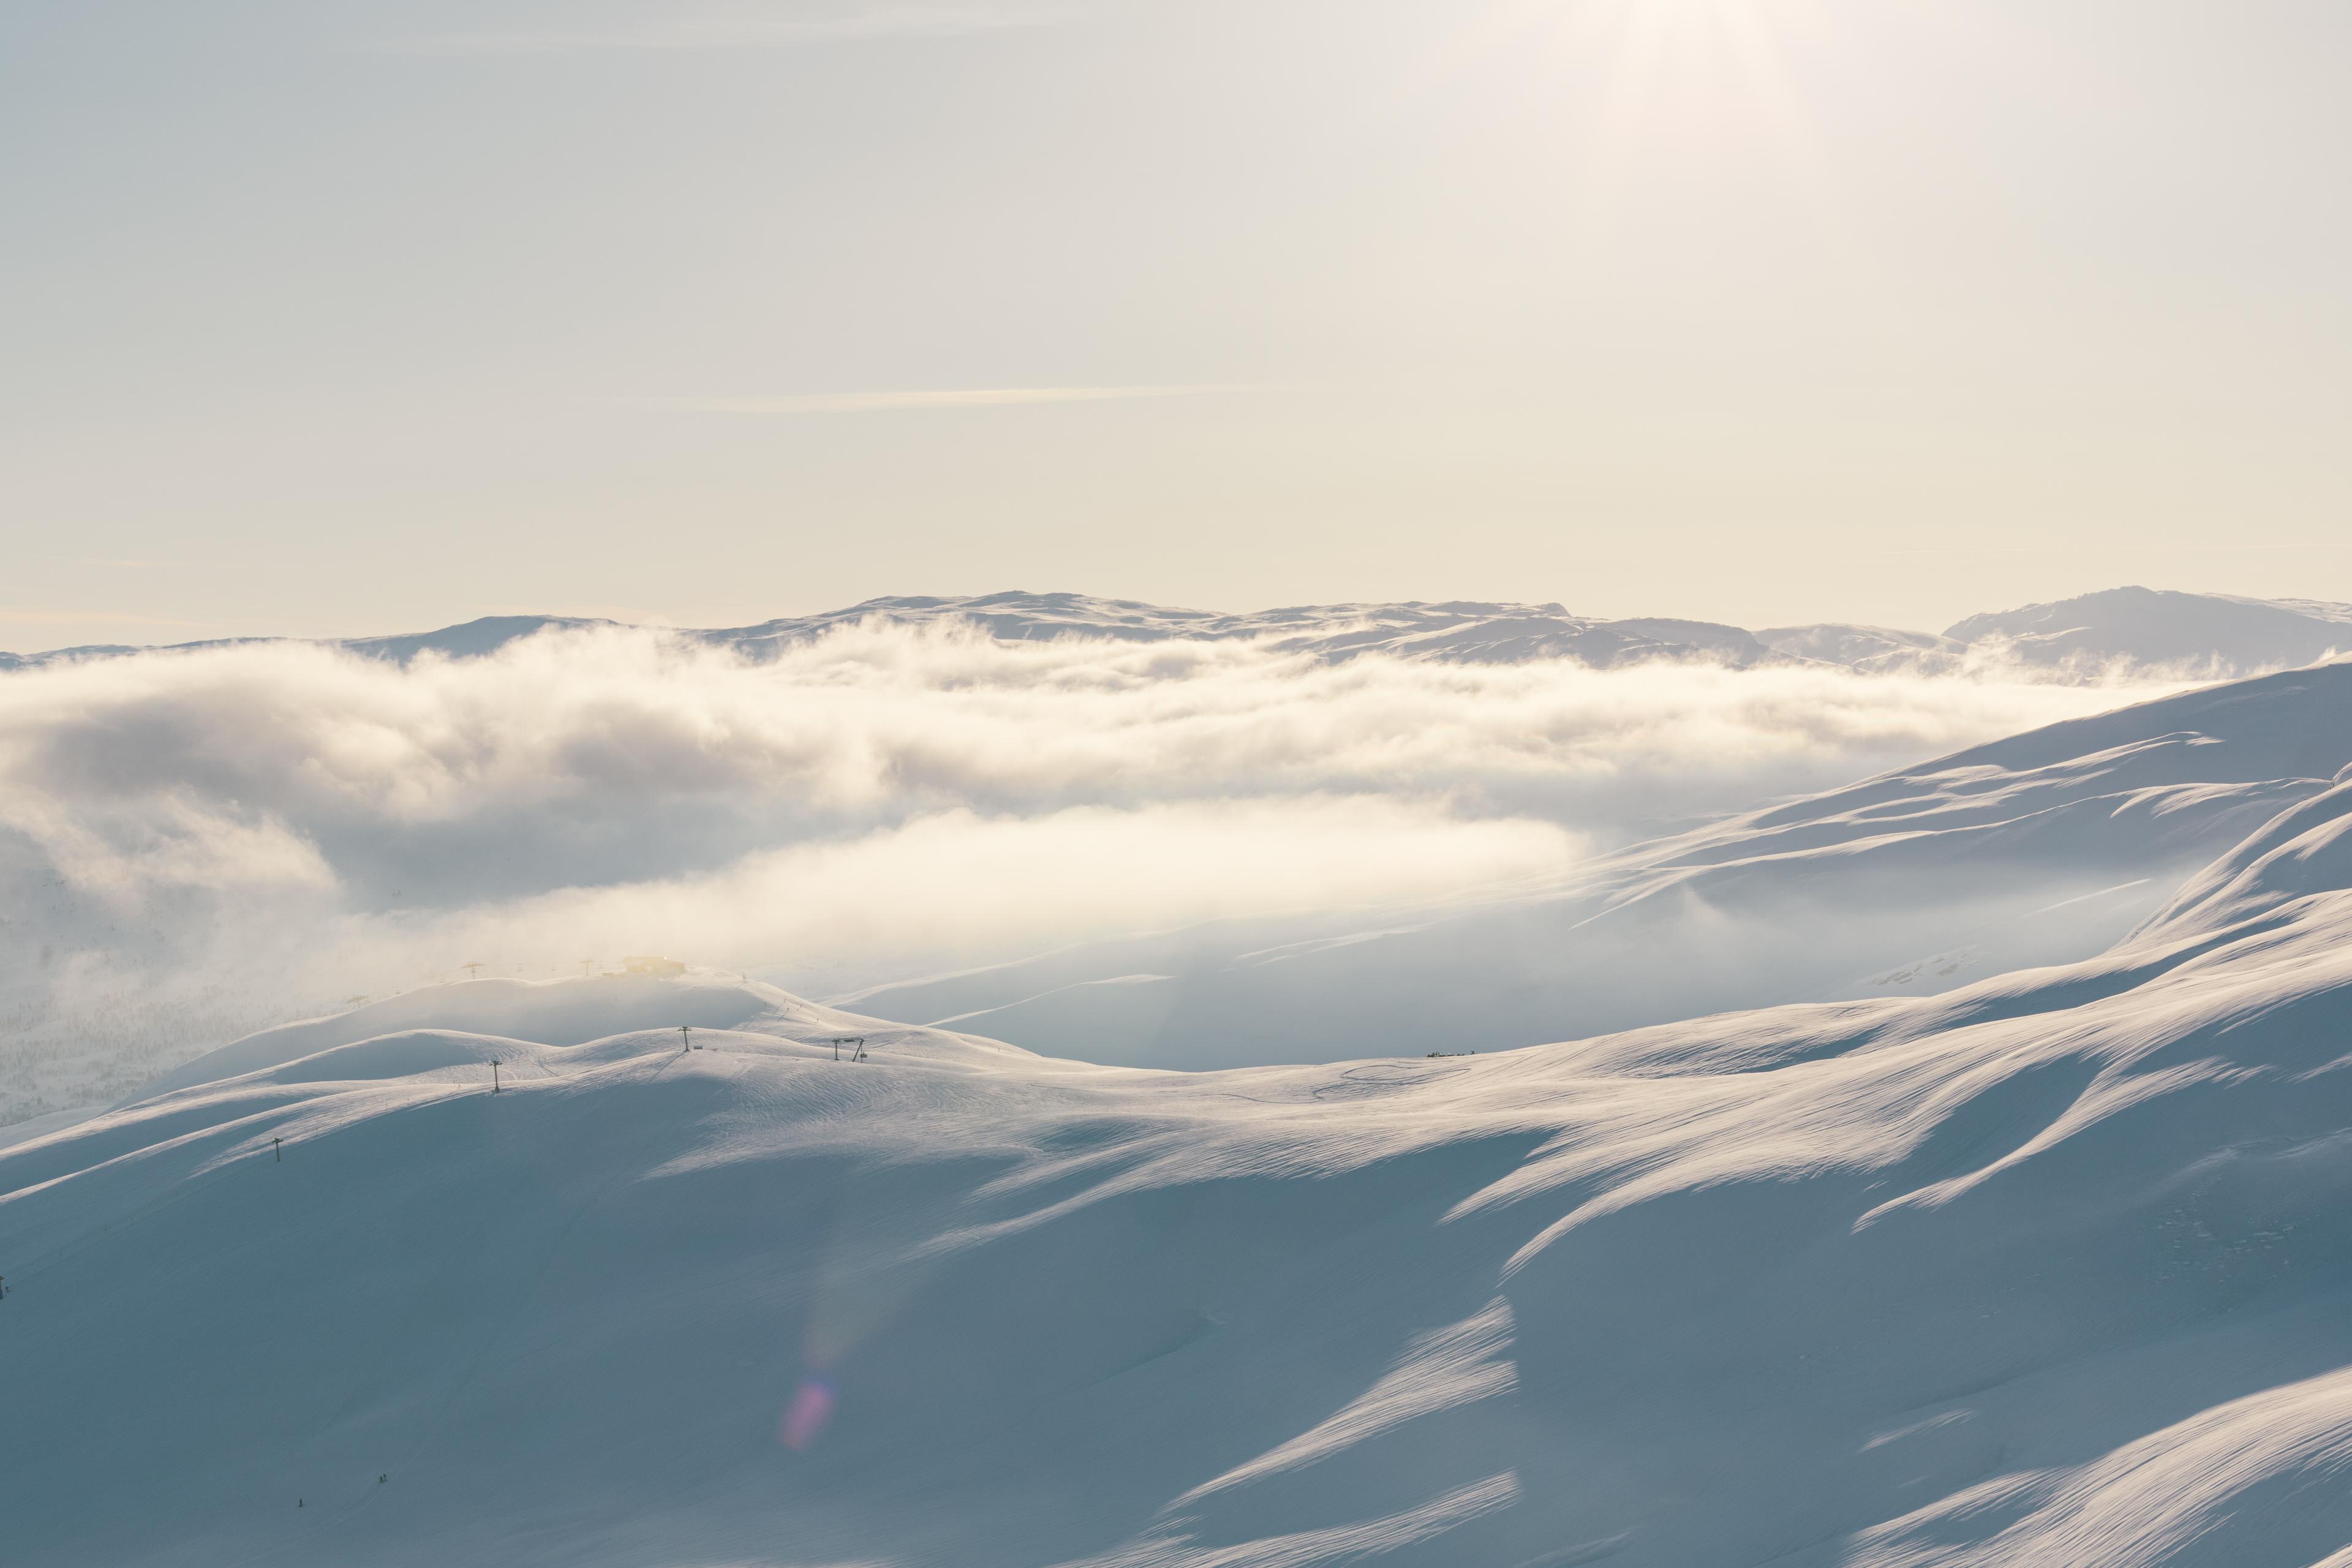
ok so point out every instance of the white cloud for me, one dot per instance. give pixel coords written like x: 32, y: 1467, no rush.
x: 289, y: 822
x: 957, y: 882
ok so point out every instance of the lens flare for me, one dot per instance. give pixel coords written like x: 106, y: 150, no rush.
x: 806, y: 1417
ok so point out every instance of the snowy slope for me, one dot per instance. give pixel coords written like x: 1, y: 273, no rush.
x: 2041, y: 849
x: 2049, y: 1269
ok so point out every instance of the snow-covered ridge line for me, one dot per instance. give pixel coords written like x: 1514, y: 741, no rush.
x: 2200, y: 636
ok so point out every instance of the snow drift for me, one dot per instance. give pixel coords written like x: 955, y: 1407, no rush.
x: 2049, y: 1269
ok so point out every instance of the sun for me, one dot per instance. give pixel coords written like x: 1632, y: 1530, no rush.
x: 1704, y: 81
x: 1648, y: 55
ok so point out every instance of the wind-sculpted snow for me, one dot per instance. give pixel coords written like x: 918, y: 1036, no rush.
x: 2232, y: 1484
x: 2301, y: 852
x: 1457, y: 1365
x: 193, y: 846
x: 2051, y: 1269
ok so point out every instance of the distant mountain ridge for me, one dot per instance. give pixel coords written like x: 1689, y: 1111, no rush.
x: 2208, y: 635
x: 2148, y: 627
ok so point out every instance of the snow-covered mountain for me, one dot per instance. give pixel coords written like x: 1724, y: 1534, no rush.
x: 2204, y: 635
x: 1875, y: 650
x: 2210, y: 635
x: 1462, y: 632
x: 2048, y: 1270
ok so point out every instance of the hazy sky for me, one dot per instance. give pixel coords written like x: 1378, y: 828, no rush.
x: 338, y: 317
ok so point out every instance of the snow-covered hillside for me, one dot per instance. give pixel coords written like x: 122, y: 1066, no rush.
x: 2049, y: 1269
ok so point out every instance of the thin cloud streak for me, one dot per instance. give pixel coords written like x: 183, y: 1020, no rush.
x: 40, y: 616
x: 723, y: 33
x: 915, y: 401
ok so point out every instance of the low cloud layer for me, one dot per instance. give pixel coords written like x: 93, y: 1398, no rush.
x: 272, y: 826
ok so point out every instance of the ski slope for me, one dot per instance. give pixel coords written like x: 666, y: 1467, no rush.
x: 2050, y: 1268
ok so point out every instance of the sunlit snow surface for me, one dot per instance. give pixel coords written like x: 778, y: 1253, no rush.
x: 2049, y: 1269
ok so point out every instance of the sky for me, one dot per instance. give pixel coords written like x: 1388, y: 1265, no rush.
x: 338, y: 317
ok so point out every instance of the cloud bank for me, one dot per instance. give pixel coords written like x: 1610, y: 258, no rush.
x: 266, y: 828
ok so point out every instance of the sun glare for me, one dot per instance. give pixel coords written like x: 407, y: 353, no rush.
x: 1698, y: 84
